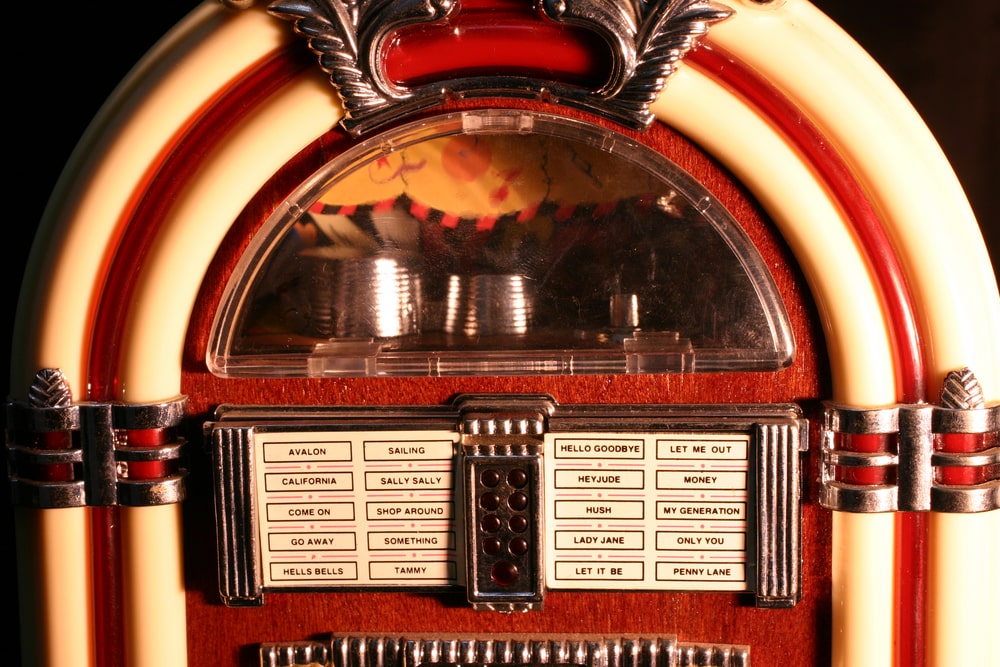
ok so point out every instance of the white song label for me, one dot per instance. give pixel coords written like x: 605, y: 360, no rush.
x: 657, y: 511
x: 357, y: 508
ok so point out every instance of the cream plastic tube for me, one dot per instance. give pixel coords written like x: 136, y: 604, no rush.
x: 861, y: 364
x: 151, y: 362
x: 910, y: 181
x: 52, y: 324
x: 924, y: 210
x: 56, y: 595
x: 154, y: 599
x: 197, y: 223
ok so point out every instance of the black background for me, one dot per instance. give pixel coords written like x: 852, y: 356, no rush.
x: 64, y: 59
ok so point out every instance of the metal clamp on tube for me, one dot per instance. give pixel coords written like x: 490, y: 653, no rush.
x: 92, y: 454
x: 918, y: 457
x: 966, y: 459
x: 44, y: 457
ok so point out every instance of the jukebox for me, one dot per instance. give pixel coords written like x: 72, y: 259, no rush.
x: 491, y: 332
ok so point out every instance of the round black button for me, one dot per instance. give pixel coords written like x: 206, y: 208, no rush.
x: 489, y: 477
x: 491, y: 523
x: 518, y: 523
x: 518, y: 546
x: 491, y: 546
x: 505, y: 573
x: 517, y: 478
x: 489, y: 501
x: 517, y: 501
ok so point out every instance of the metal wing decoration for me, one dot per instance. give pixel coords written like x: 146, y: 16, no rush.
x: 645, y: 41
x: 335, y: 31
x: 671, y: 29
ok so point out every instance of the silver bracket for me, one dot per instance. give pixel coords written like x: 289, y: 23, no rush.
x: 645, y: 41
x: 535, y: 650
x: 502, y: 476
x: 65, y: 454
x: 943, y: 458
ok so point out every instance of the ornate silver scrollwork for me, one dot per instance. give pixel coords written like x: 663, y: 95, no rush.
x: 645, y: 40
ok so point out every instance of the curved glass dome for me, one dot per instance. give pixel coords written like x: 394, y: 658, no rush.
x: 499, y: 243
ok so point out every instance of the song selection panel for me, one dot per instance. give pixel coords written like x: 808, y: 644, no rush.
x: 647, y: 511
x: 622, y: 511
x: 357, y: 508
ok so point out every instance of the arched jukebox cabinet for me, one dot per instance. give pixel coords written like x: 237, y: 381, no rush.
x: 498, y: 332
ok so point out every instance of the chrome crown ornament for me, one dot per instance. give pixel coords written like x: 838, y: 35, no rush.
x: 644, y: 42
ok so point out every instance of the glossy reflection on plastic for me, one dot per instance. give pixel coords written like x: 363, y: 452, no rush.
x: 499, y: 242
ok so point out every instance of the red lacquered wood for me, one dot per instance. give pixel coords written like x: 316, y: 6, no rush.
x: 220, y: 635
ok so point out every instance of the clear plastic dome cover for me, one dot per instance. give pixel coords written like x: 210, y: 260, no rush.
x: 499, y: 243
